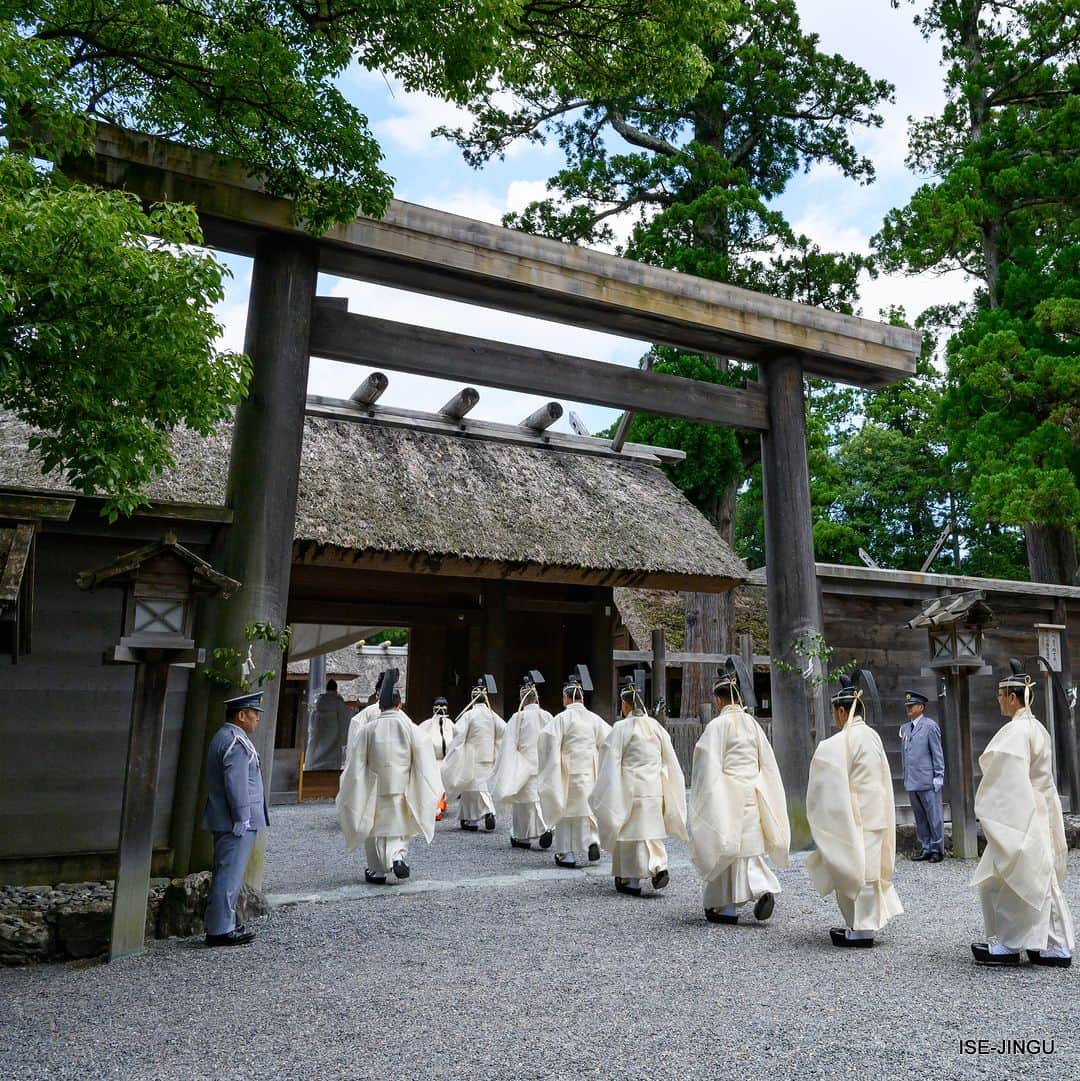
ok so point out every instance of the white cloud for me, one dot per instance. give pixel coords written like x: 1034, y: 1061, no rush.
x: 414, y: 117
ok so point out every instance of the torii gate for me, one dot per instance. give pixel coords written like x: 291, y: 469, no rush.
x: 439, y: 254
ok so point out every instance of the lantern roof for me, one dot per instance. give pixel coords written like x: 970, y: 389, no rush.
x: 968, y: 608
x: 126, y: 567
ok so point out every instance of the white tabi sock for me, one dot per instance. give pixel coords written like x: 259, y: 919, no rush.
x: 567, y: 857
x: 634, y: 883
x: 729, y: 910
x: 998, y: 950
x: 850, y: 934
x: 1056, y: 951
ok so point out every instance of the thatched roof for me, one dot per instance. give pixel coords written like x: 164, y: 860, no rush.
x: 373, y: 488
x: 370, y: 665
x: 643, y: 610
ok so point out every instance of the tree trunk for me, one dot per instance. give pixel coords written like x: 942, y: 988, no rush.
x: 1051, y: 552
x: 708, y: 619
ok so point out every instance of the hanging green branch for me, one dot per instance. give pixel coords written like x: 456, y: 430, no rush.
x: 818, y: 654
x: 227, y: 669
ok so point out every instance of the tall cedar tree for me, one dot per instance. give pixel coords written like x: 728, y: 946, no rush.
x: 698, y: 180
x: 1002, y: 204
x: 107, y: 337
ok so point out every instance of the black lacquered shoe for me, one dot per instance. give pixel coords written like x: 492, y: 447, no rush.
x: 235, y: 937
x: 839, y: 938
x: 622, y: 887
x: 920, y: 857
x: 401, y: 869
x: 660, y: 879
x: 714, y: 915
x: 472, y: 827
x: 373, y: 878
x: 489, y: 822
x: 981, y: 952
x: 546, y: 838
x: 594, y: 852
x: 763, y: 907
x: 935, y: 857
x: 515, y: 843
x: 1037, y: 957
x: 562, y: 860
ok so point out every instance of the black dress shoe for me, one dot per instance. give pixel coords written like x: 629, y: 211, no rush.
x: 714, y: 915
x: 546, y: 838
x: 763, y: 907
x: 920, y: 857
x: 839, y: 938
x: 1036, y: 957
x: 562, y: 861
x: 472, y: 827
x: 489, y: 822
x: 373, y: 878
x: 622, y: 887
x: 236, y: 937
x: 401, y: 869
x: 594, y: 852
x: 515, y: 843
x: 660, y: 880
x: 981, y: 952
x: 935, y: 857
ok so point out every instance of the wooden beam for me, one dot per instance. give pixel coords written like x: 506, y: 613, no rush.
x: 578, y: 426
x: 361, y: 339
x: 461, y: 403
x: 35, y: 507
x: 430, y: 251
x: 309, y: 609
x: 338, y: 409
x: 623, y: 429
x: 370, y: 390
x: 544, y: 417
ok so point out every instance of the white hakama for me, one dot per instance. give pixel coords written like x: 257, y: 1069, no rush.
x: 738, y: 811
x: 569, y: 755
x: 852, y: 816
x: 1021, y: 875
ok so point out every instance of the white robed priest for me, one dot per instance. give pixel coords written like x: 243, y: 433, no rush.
x: 471, y: 758
x: 738, y: 810
x: 640, y: 795
x: 852, y: 816
x: 440, y: 730
x: 1021, y: 875
x: 517, y: 764
x: 365, y: 716
x: 569, y: 754
x: 389, y: 789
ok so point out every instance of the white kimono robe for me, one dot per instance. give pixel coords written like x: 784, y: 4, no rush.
x: 569, y: 752
x: 440, y: 730
x: 517, y: 763
x: 639, y: 798
x: 389, y: 790
x: 470, y: 760
x: 849, y: 804
x: 738, y: 811
x: 1022, y: 871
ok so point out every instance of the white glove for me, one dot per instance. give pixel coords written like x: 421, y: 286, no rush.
x: 938, y: 782
x: 240, y: 828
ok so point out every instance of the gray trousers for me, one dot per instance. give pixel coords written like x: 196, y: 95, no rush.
x: 231, y: 855
x: 929, y: 820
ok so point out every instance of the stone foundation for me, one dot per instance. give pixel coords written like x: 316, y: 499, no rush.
x: 72, y: 920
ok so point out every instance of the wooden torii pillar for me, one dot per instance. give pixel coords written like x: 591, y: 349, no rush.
x: 794, y: 603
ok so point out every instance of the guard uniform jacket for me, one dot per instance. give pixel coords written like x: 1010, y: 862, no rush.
x: 234, y: 784
x: 921, y: 754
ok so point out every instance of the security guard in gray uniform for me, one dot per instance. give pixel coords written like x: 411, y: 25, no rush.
x: 924, y: 776
x: 235, y: 812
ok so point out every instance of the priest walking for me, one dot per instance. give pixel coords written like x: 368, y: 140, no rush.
x: 440, y: 730
x: 389, y: 788
x: 849, y: 804
x: 471, y: 758
x: 570, y: 751
x: 517, y: 764
x: 1021, y: 876
x: 640, y: 796
x: 738, y: 810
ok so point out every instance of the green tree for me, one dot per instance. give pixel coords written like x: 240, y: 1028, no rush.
x: 1002, y: 205
x: 699, y: 177
x: 255, y: 80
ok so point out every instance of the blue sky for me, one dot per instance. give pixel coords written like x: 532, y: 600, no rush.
x: 838, y: 214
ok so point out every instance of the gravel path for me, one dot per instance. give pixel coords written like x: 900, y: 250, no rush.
x: 491, y: 963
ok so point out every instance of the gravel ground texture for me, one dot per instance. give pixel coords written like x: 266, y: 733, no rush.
x: 491, y: 963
